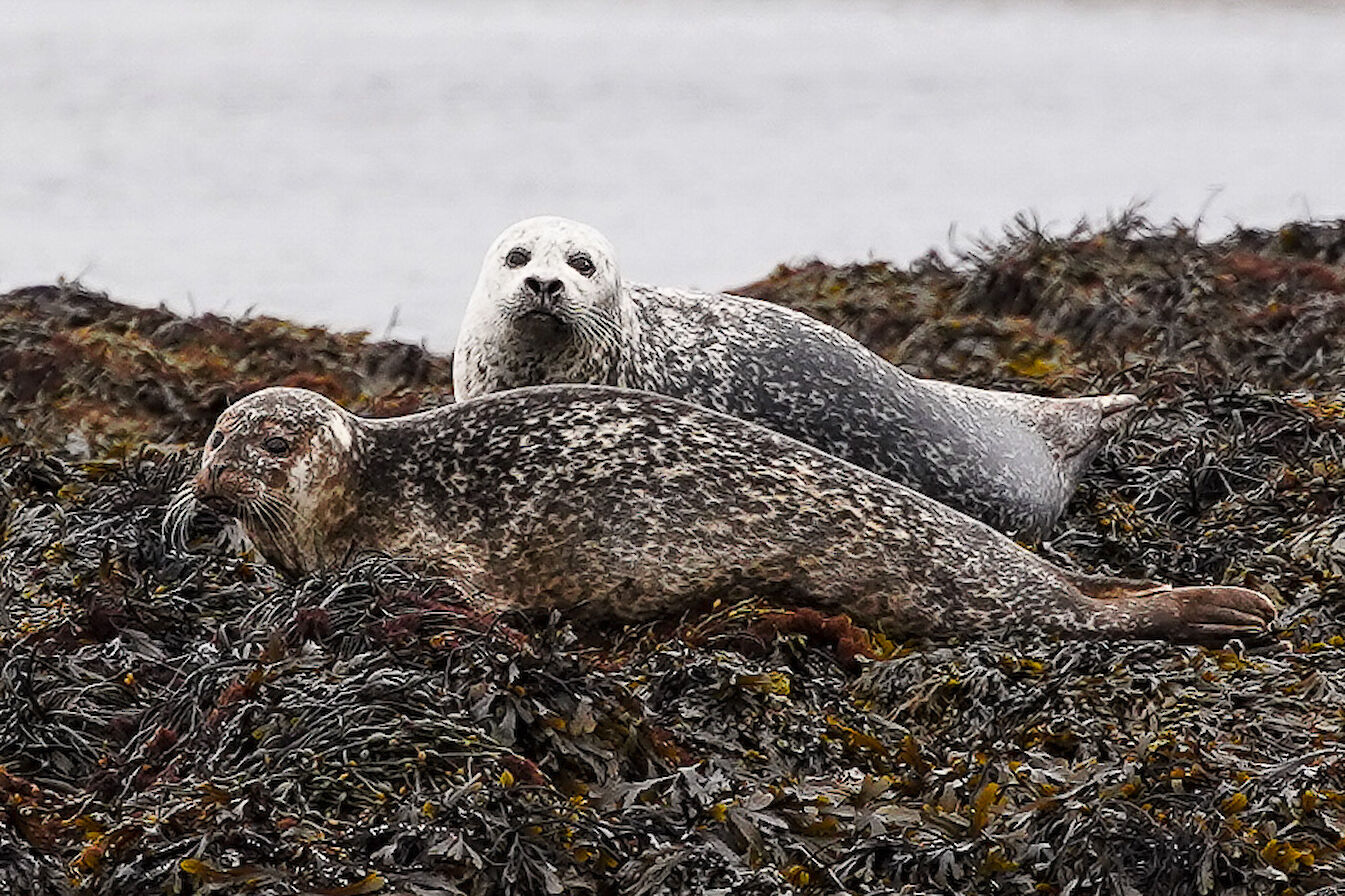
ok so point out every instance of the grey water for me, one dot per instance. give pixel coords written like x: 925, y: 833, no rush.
x: 349, y: 163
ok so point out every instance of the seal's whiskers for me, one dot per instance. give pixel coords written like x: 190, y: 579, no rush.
x: 274, y: 516
x: 177, y: 518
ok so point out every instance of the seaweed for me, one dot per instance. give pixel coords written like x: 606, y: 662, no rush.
x: 1098, y: 308
x: 191, y: 722
x: 93, y: 377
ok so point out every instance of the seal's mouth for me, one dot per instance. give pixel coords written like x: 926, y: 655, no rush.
x: 221, y: 504
x: 542, y: 325
x: 212, y: 490
x: 540, y: 315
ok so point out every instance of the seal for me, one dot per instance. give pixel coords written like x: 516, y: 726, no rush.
x: 550, y: 307
x: 632, y: 505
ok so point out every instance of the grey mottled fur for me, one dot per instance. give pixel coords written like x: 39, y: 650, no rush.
x: 1009, y: 459
x: 635, y: 505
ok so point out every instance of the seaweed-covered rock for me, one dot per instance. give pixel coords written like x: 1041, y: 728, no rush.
x: 193, y: 723
x: 1107, y: 307
x: 90, y: 375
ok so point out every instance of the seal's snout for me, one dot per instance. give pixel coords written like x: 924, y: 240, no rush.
x: 547, y: 290
x: 205, y: 489
x: 203, y: 483
x: 543, y: 318
x: 223, y: 493
x: 219, y: 504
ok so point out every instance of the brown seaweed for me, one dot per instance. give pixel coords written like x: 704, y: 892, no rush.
x: 191, y: 722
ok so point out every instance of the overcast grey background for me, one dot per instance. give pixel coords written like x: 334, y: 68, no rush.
x: 333, y: 162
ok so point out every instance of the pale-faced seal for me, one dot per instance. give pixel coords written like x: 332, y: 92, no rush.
x: 635, y: 505
x: 550, y: 307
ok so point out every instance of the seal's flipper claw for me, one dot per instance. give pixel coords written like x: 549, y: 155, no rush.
x: 1215, y: 612
x: 1222, y: 634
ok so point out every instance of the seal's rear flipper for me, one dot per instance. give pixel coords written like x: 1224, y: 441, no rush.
x: 1204, y: 614
x: 1072, y: 428
x: 1112, y: 587
x: 1112, y: 407
x: 1216, y: 613
x: 1075, y: 428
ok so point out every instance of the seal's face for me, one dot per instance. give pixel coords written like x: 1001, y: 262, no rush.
x: 277, y: 460
x: 551, y: 278
x: 547, y: 308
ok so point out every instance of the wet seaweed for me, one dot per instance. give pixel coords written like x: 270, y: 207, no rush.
x: 92, y: 376
x: 1104, y: 306
x: 187, y: 721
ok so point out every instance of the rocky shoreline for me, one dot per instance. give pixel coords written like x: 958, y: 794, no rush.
x: 194, y: 723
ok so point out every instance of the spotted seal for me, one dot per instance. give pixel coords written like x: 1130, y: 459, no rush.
x: 633, y: 505
x: 550, y: 307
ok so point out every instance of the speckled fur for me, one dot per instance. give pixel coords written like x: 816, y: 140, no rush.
x: 1008, y: 459
x: 633, y: 505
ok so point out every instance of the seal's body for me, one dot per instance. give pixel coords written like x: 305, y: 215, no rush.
x: 636, y: 505
x: 550, y: 307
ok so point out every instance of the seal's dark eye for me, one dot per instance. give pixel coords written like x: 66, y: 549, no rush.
x: 582, y: 263
x: 217, y: 440
x: 276, y: 445
x: 517, y: 258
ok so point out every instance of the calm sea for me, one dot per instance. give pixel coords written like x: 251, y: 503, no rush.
x: 348, y: 163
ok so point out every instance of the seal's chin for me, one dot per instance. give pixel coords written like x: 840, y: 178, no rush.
x: 541, y: 326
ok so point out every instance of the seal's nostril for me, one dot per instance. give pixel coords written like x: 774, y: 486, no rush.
x: 532, y: 285
x: 553, y: 289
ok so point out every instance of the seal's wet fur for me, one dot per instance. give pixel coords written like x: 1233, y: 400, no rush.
x: 1008, y: 459
x: 635, y: 505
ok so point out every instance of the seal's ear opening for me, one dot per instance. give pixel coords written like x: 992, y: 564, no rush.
x: 277, y: 445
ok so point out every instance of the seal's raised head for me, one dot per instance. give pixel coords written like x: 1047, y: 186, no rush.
x: 550, y: 267
x: 549, y: 297
x: 279, y: 461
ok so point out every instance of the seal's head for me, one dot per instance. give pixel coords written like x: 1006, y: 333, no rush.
x: 549, y: 297
x: 279, y: 460
x: 550, y: 272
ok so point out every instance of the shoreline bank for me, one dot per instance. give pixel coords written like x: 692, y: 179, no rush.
x: 180, y: 722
